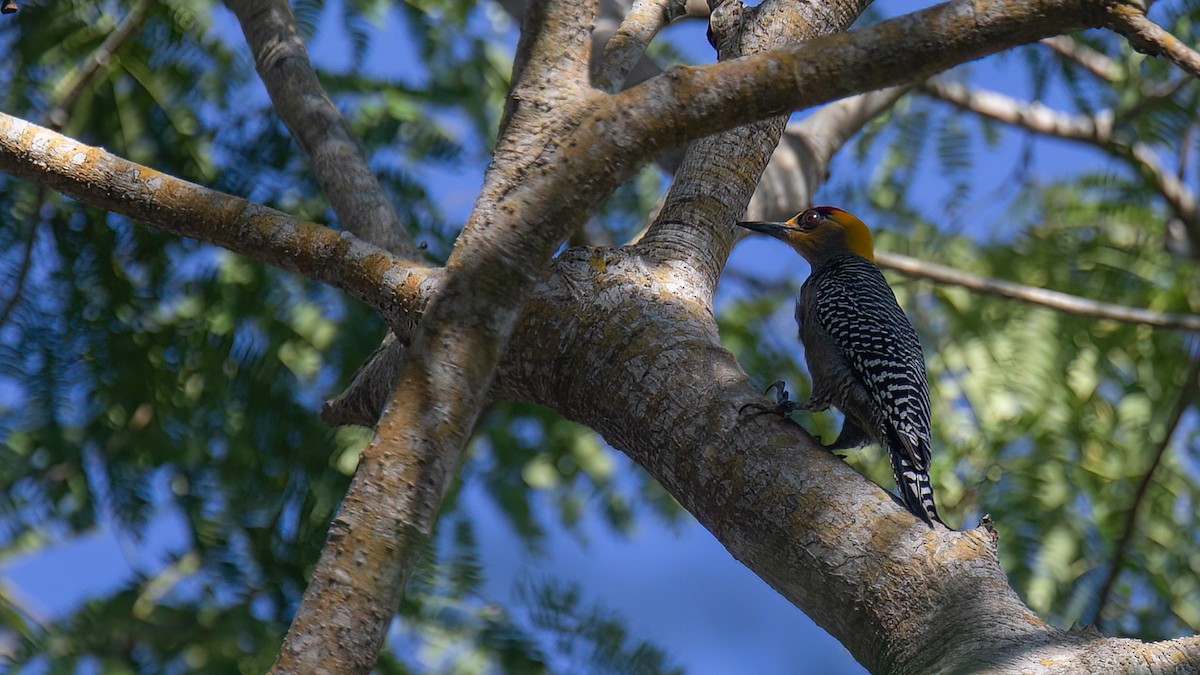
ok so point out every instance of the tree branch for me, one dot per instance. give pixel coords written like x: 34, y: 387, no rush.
x: 719, y: 174
x: 1097, y: 130
x: 1146, y: 36
x: 900, y: 596
x: 689, y: 102
x: 1062, y: 302
x: 1096, y: 63
x: 1186, y: 399
x: 334, y: 154
x: 101, y: 179
x: 1033, y: 115
x: 530, y: 201
x: 628, y: 44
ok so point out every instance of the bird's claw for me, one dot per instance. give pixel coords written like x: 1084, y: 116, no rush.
x: 783, y: 407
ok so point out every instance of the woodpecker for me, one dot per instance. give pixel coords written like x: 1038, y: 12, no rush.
x: 862, y: 351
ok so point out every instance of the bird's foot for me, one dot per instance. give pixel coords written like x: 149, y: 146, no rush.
x: 783, y: 407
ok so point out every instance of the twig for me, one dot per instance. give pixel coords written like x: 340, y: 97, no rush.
x: 1063, y: 302
x: 58, y: 116
x: 1147, y: 36
x: 1089, y: 59
x: 1034, y: 116
x: 154, y: 590
x: 334, y: 154
x: 1186, y: 399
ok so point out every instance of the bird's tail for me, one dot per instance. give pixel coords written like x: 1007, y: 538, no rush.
x: 913, y: 485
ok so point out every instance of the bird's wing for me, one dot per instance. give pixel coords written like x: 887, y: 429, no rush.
x: 860, y: 313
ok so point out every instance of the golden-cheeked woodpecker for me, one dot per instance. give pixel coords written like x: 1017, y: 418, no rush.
x: 861, y: 349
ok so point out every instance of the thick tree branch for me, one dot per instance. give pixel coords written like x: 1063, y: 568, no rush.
x: 689, y: 102
x: 1146, y: 36
x: 101, y: 179
x: 334, y: 154
x: 647, y: 371
x: 554, y: 50
x: 1097, y: 130
x: 608, y: 334
x: 1187, y: 398
x: 1062, y: 302
x: 530, y: 201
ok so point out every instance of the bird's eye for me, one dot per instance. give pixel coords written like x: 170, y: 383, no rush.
x: 811, y: 219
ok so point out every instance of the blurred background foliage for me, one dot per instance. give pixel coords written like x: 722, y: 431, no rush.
x: 141, y: 374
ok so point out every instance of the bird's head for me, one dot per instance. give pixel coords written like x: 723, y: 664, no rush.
x: 820, y: 233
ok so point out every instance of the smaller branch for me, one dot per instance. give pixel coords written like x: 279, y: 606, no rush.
x: 555, y: 44
x: 628, y: 44
x: 1089, y: 59
x: 1063, y: 302
x: 1186, y: 397
x: 318, y: 127
x: 1150, y: 38
x: 101, y: 179
x: 98, y: 59
x: 1034, y: 116
x: 1097, y: 130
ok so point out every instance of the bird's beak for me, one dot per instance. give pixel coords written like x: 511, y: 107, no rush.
x: 777, y: 230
